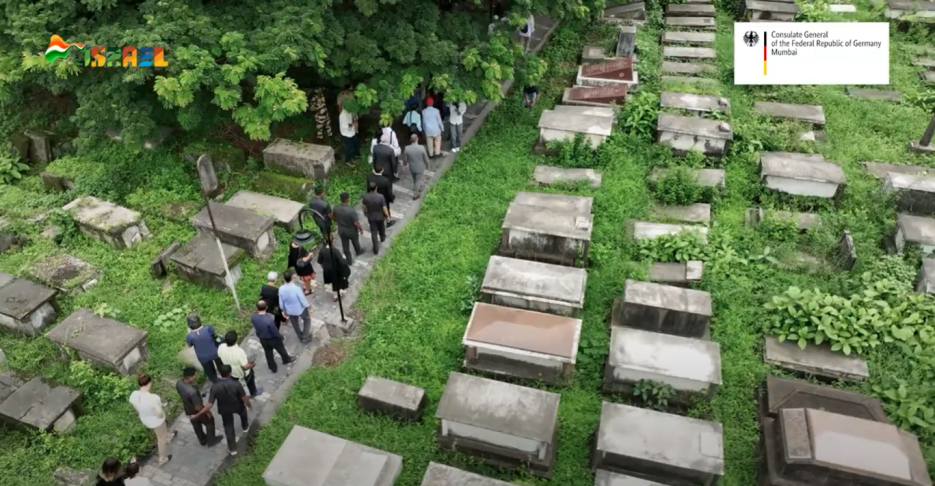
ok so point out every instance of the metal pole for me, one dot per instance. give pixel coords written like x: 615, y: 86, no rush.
x: 334, y: 258
x: 929, y: 131
x: 217, y: 238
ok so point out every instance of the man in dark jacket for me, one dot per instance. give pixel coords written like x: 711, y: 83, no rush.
x: 384, y: 187
x: 384, y: 156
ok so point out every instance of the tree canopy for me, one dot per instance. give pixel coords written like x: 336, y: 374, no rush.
x: 249, y: 61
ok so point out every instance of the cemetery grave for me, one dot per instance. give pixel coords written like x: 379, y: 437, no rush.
x: 284, y: 211
x: 764, y: 11
x: 117, y: 226
x: 535, y: 286
x: 548, y: 227
x: 802, y: 174
x: 303, y: 159
x: 65, y: 273
x: 663, y: 308
x: 616, y: 72
x: 199, y: 262
x: 913, y: 232
x: 681, y: 274
x: 555, y: 127
x: 642, y: 230
x: 896, y: 9
x: 925, y: 280
x: 546, y: 176
x: 243, y: 228
x: 104, y: 342
x: 442, y: 475
x: 915, y: 192
x: 35, y: 404
x: 25, y: 306
x: 398, y: 400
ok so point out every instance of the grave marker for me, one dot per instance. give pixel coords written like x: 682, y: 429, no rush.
x: 553, y: 228
x: 915, y: 192
x: 811, y: 114
x: 817, y: 360
x: 626, y: 41
x: 685, y: 134
x: 210, y: 186
x: 847, y: 251
x: 26, y: 307
x: 663, y: 308
x: 534, y: 286
x: 802, y: 174
x: 398, y: 400
x: 616, y: 69
x: 779, y: 393
x: 925, y: 280
x: 106, y: 343
x: 304, y: 159
x: 603, y: 95
x: 678, y: 274
x: 914, y: 230
x: 441, y: 475
x: 36, y: 404
x: 592, y: 54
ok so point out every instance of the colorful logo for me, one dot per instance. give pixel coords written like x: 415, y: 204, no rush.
x: 100, y: 56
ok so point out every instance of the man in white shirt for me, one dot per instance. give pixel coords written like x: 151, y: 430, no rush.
x: 525, y: 33
x: 349, y: 133
x: 231, y: 354
x: 457, y: 121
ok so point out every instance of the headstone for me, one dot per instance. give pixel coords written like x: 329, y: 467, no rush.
x: 663, y: 308
x: 704, y: 177
x: 802, y: 174
x: 626, y: 41
x: 688, y: 53
x: 678, y: 274
x: 36, y: 404
x: 817, y: 360
x: 881, y: 169
x: 664, y: 447
x: 311, y: 458
x: 687, y: 69
x: 779, y: 393
x: 26, y: 307
x: 628, y: 11
x: 688, y: 38
x: 210, y: 186
x: 873, y: 94
x: 611, y: 69
x: 694, y: 103
x: 693, y: 213
x: 771, y: 11
x: 810, y: 114
x: 689, y: 10
x: 506, y: 425
x: 535, y: 286
x: 555, y: 126
x: 552, y: 228
x: 591, y: 96
x: 54, y: 182
x: 802, y: 221
x: 106, y: 343
x: 842, y: 8
x: 284, y: 211
x: 607, y: 478
x: 697, y: 23
x: 304, y: 159
x: 592, y: 54
x: 199, y: 262
x: 898, y: 8
x: 65, y: 273
x: 847, y: 251
x: 692, y: 367
x: 642, y: 230
x: 546, y: 175
x: 925, y: 280
x: 159, y: 266
x: 40, y: 146
x: 104, y: 221
x: 239, y: 227
x: 516, y: 343
x: 602, y: 111
x: 686, y: 134
x: 914, y: 230
x: 393, y: 398
x: 915, y: 192
x: 441, y: 475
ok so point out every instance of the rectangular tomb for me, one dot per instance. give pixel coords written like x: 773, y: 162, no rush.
x: 311, y: 458
x: 608, y: 478
x: 26, y: 307
x: 704, y: 177
x: 802, y: 221
x: 914, y: 230
x: 199, y: 262
x: 802, y: 174
x: 535, y: 286
x: 627, y: 11
x: 694, y: 103
x: 872, y: 94
x: 548, y: 227
x: 442, y: 475
x: 611, y: 72
x: 660, y: 446
x: 779, y: 393
x: 817, y: 360
x: 922, y: 9
x: 811, y: 114
x: 393, y: 398
x: 688, y: 38
x: 304, y: 159
x: 663, y: 308
x: 500, y: 423
x: 65, y: 273
x: 626, y: 41
x: 915, y: 192
x: 602, y: 97
x: 881, y: 169
x: 104, y: 221
x: 697, y: 23
x: 699, y: 213
x: 771, y: 11
x: 689, y: 10
x: 593, y: 54
x: 239, y: 227
x: 686, y: 133
x: 546, y: 176
x: 680, y: 274
x: 556, y: 126
x: 648, y: 231
x: 604, y: 111
x: 36, y: 404
x: 104, y: 342
x: 284, y: 211
x: 692, y: 367
x: 521, y: 344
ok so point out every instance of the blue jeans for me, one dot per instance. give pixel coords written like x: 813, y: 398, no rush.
x: 455, y: 133
x: 351, y: 148
x: 533, y: 99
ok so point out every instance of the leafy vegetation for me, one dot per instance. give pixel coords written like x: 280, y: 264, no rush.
x: 679, y: 247
x: 653, y: 394
x: 680, y: 187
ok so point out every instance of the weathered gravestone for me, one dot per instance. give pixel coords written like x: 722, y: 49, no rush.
x: 535, y: 286
x: 284, y: 211
x: 34, y: 404
x: 881, y: 169
x: 104, y: 221
x: 441, y: 475
x: 593, y: 96
x: 817, y: 360
x: 687, y: 133
x: 663, y: 308
x: 199, y: 262
x: 26, y: 307
x: 694, y: 103
x: 40, y: 146
x: 778, y: 393
x: 628, y: 11
x: 592, y: 54
x: 713, y: 178
x: 555, y: 127
x: 689, y: 10
x: 810, y: 114
x: 64, y: 476
x: 546, y: 175
x: 55, y: 183
x: 106, y: 343
x: 802, y: 221
x: 847, y: 251
x: 914, y: 231
x: 608, y: 478
x: 702, y: 39
x: 611, y: 72
x: 915, y: 192
x: 842, y: 8
x: 696, y: 23
x: 642, y: 230
x: 210, y: 186
x: 304, y: 159
x: 873, y: 94
x: 626, y: 41
x: 65, y: 273
x: 771, y: 11
x: 688, y: 54
x: 899, y: 8
x: 238, y: 227
x: 393, y: 398
x: 159, y: 266
x: 925, y: 280
x: 548, y: 227
x: 802, y: 174
x: 679, y: 274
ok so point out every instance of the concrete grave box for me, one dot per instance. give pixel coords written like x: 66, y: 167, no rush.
x: 284, y: 211
x: 65, y: 273
x: 704, y: 177
x: 802, y: 221
x: 304, y: 159
x: 502, y: 424
x: 807, y: 446
x: 871, y: 94
x: 626, y: 41
x: 608, y: 478
x: 535, y: 286
x: 104, y: 221
x: 779, y: 393
x: 668, y: 448
x: 35, y: 404
x: 663, y: 308
x: 106, y: 343
x: 239, y: 227
x: 689, y: 10
x: 916, y: 192
x: 770, y: 11
x: 692, y: 367
x: 199, y: 262
x: 611, y: 72
x: 442, y: 475
x: 686, y: 69
x: 817, y: 360
x: 676, y: 38
x: 914, y: 230
x: 628, y: 11
x: 311, y: 458
x: 504, y: 341
x: 604, y: 111
x: 547, y: 176
x: 649, y: 231
x: 802, y: 174
x: 592, y: 54
x: 694, y: 103
x: 554, y: 228
x: 606, y: 96
x: 842, y: 8
x: 925, y: 281
x: 896, y: 9
x: 686, y: 133
x: 680, y: 274
x: 556, y: 126
x: 699, y: 213
x: 810, y: 114
x: 688, y: 54
x: 881, y: 169
x: 696, y: 23
x: 393, y: 398
x: 26, y: 307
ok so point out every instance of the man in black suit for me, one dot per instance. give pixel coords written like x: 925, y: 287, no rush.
x: 385, y: 156
x: 384, y: 187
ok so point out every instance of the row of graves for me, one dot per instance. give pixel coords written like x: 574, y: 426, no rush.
x: 688, y: 50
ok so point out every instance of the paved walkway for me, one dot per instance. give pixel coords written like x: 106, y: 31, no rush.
x: 195, y: 465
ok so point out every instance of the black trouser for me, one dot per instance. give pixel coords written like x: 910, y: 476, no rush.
x: 210, y: 370
x: 377, y: 234
x: 204, y: 428
x: 250, y: 379
x: 274, y: 344
x: 228, y: 420
x: 346, y: 241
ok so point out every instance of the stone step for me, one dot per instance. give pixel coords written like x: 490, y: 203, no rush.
x: 688, y: 38
x: 696, y: 23
x: 924, y: 62
x: 688, y: 53
x: 873, y: 94
x: 687, y: 68
x: 689, y: 10
x: 687, y: 80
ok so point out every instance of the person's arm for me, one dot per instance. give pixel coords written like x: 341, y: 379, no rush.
x: 188, y: 339
x: 245, y: 363
x: 386, y: 212
x: 207, y: 407
x: 243, y: 396
x: 282, y: 305
x: 271, y: 324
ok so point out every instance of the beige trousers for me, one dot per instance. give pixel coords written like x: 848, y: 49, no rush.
x: 434, y: 145
x: 162, y: 440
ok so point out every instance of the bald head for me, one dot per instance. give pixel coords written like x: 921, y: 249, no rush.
x: 413, y: 138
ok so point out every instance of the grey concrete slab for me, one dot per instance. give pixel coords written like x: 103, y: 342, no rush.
x: 814, y: 360
x: 915, y: 192
x: 705, y: 177
x: 688, y: 69
x: 916, y: 230
x: 697, y: 127
x: 802, y: 221
x: 881, y: 169
x: 771, y: 7
x: 694, y: 102
x: 535, y: 286
x: 688, y: 38
x: 574, y: 123
x: 593, y: 54
x: 239, y: 227
x: 284, y: 211
x: 801, y: 174
x: 701, y: 23
x: 65, y: 273
x: 663, y: 308
x: 391, y: 397
x: 679, y: 274
x: 873, y: 94
x: 812, y: 114
x: 106, y: 342
x: 693, y: 213
x: 689, y: 10
x: 642, y: 230
x: 546, y: 175
x: 199, y: 262
x: 585, y: 110
x: 924, y: 62
x: 925, y: 280
x: 689, y: 81
x: 607, y: 478
x: 20, y: 298
x: 442, y: 475
x: 928, y: 77
x: 305, y: 159
x: 842, y: 8
x: 632, y: 11
x: 688, y: 53
x: 104, y: 221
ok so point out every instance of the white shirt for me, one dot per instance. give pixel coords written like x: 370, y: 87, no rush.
x: 235, y: 357
x: 531, y: 23
x: 149, y: 407
x: 346, y: 120
x: 457, y: 118
x: 389, y: 138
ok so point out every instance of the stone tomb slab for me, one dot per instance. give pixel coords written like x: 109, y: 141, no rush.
x: 779, y: 393
x: 686, y: 80
x: 689, y: 10
x: 442, y: 475
x: 26, y: 307
x: 688, y: 53
x: 393, y: 398
x: 603, y: 111
x: 534, y: 286
x: 928, y: 77
x: 626, y: 41
x: 504, y: 341
x: 36, y: 404
x: 546, y: 175
x: 607, y: 478
x: 842, y: 8
x: 810, y: 114
x: 897, y: 8
x: 802, y: 221
x: 914, y: 230
x: 284, y: 211
x: 502, y: 424
x: 685, y: 134
x: 561, y: 126
x: 925, y: 280
x: 771, y: 11
x: 553, y: 228
x: 924, y: 62
x: 704, y: 177
x: 670, y: 448
x: 817, y: 360
x: 611, y: 72
x: 686, y: 68
x: 606, y: 96
x: 676, y: 38
x: 680, y: 274
x: 104, y: 221
x: 311, y: 458
x: 915, y: 192
x: 106, y: 343
x: 698, y: 23
x: 591, y: 54
x: 694, y: 103
x: 693, y: 213
x: 304, y: 159
x: 873, y: 94
x: 239, y: 227
x: 663, y: 308
x: 881, y: 169
x: 801, y: 174
x: 692, y: 367
x: 642, y: 230
x: 628, y: 11
x: 65, y: 273
x: 199, y: 262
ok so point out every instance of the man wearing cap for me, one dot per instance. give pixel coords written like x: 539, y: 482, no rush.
x: 192, y: 404
x: 433, y: 126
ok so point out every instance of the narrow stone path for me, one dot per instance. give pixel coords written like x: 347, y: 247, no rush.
x: 195, y: 465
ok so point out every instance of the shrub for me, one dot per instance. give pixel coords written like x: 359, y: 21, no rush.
x: 679, y: 187
x: 680, y: 247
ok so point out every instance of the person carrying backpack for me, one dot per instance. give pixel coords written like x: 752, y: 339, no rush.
x: 525, y: 33
x: 413, y: 120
